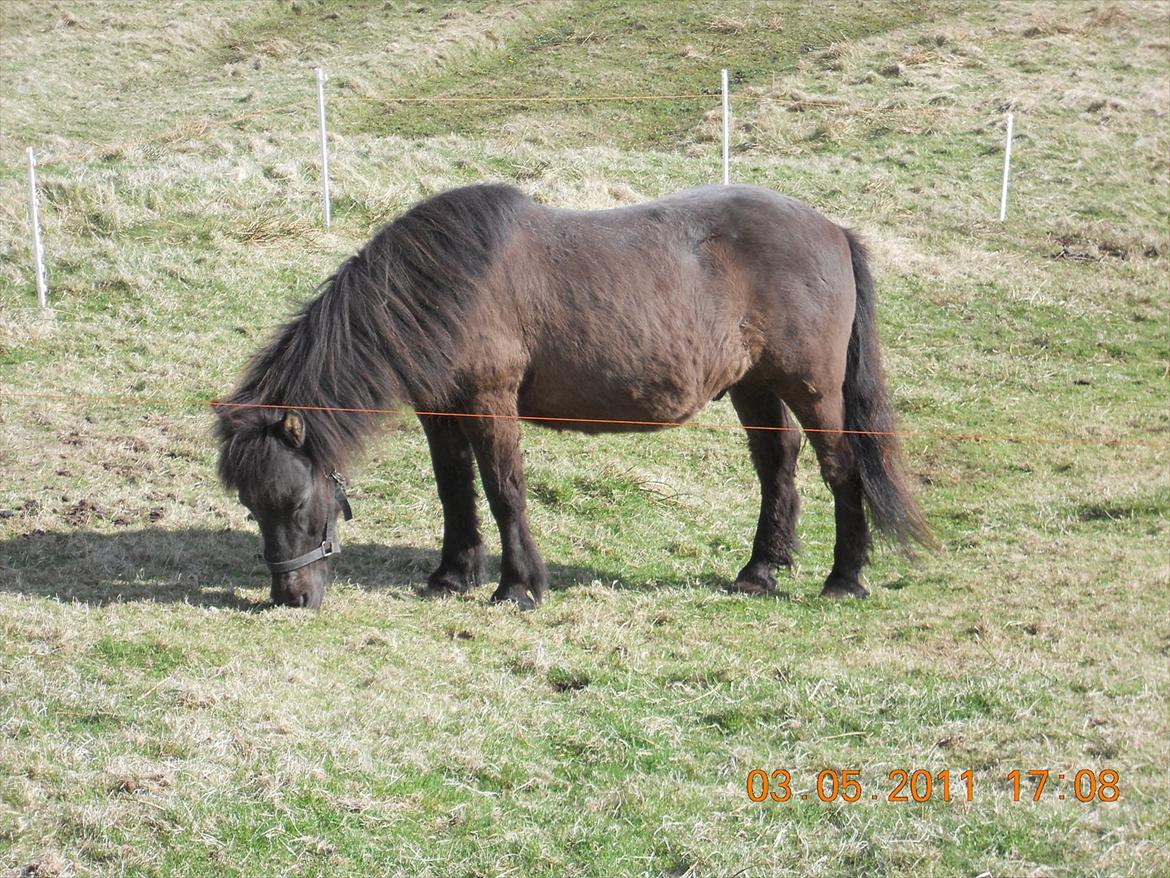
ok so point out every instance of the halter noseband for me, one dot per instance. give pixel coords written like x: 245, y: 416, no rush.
x: 329, y: 544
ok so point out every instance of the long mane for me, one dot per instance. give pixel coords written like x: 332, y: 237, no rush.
x: 381, y: 331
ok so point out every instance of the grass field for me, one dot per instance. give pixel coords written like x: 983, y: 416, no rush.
x: 157, y: 719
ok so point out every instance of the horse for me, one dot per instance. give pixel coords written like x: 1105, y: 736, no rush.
x: 481, y: 308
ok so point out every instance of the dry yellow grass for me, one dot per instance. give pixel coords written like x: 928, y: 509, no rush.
x: 156, y: 719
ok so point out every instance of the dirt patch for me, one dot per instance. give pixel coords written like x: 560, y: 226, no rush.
x: 142, y: 783
x: 28, y: 507
x: 567, y: 680
x: 1101, y: 104
x: 131, y: 443
x: 81, y: 512
x: 128, y: 471
x: 1094, y: 243
x: 44, y: 866
x: 1073, y: 256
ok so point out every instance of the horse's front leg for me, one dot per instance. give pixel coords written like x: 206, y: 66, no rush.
x: 461, y: 564
x: 496, y: 443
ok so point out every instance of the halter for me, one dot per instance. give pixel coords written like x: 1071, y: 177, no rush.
x: 329, y: 544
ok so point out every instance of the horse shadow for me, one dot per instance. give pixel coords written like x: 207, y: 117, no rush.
x: 210, y: 568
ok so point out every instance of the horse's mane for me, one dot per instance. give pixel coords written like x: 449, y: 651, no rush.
x: 382, y: 330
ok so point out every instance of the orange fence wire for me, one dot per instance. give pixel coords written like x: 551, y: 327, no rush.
x: 949, y: 436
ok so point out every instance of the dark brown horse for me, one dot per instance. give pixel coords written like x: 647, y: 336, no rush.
x: 481, y: 302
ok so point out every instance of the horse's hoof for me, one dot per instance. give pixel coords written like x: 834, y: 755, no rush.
x: 519, y: 594
x: 441, y: 584
x: 754, y: 579
x: 750, y: 584
x: 840, y: 587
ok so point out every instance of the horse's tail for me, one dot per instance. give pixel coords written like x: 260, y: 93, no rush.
x: 869, y: 416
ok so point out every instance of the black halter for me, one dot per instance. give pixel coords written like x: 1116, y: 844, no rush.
x: 329, y: 544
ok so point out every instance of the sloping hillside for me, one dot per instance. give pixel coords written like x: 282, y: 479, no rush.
x: 158, y: 719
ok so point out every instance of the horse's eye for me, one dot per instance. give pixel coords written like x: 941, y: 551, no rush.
x: 249, y: 516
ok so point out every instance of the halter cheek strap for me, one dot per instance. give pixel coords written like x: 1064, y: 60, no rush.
x: 329, y: 544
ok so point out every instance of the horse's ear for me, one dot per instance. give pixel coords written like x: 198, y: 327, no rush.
x: 293, y: 426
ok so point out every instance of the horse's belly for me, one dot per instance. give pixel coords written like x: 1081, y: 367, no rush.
x: 605, y: 397
x: 603, y: 414
x: 644, y: 354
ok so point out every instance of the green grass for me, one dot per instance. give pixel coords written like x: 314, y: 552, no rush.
x: 156, y: 719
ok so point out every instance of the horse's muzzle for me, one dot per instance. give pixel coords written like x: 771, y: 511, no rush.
x: 300, y: 588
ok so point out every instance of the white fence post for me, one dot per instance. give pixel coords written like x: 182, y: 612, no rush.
x: 726, y: 132
x: 1007, y: 167
x: 325, y: 206
x: 34, y: 221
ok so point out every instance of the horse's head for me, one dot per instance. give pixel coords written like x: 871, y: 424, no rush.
x: 295, y: 501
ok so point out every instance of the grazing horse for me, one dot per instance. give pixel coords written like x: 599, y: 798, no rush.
x: 487, y: 308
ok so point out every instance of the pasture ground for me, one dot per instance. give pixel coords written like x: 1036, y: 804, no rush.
x: 156, y: 720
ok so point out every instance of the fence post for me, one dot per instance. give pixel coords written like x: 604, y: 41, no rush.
x: 325, y: 206
x: 1007, y: 167
x: 34, y: 221
x: 726, y: 132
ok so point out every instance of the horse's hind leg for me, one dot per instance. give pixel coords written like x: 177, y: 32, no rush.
x: 461, y: 563
x: 774, y: 453
x: 823, y: 416
x: 496, y: 442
